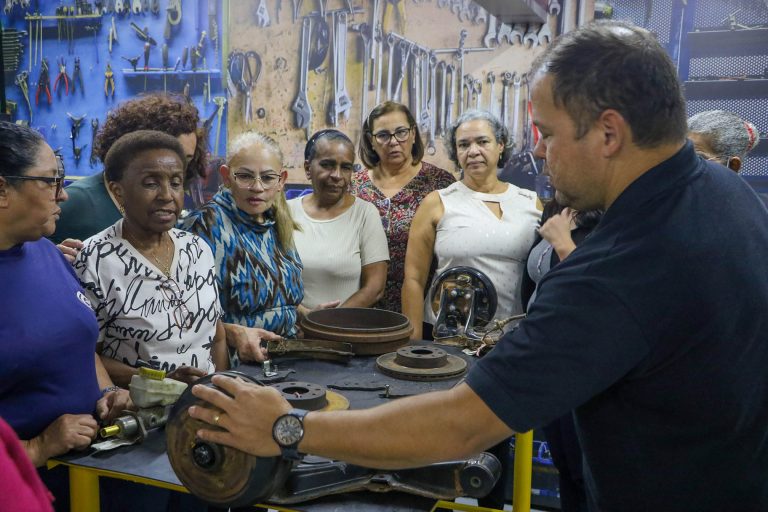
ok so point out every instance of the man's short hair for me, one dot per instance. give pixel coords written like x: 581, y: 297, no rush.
x: 615, y: 65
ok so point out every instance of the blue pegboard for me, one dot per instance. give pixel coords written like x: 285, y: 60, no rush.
x: 91, y: 46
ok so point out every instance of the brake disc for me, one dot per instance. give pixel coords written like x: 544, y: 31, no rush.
x: 421, y: 362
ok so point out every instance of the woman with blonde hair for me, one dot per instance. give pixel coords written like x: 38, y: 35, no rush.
x: 249, y: 227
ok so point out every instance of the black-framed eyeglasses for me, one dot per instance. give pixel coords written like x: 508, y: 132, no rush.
x: 247, y: 180
x: 400, y: 135
x: 57, y: 181
x: 172, y: 293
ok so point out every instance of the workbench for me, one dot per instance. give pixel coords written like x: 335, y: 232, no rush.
x: 147, y: 463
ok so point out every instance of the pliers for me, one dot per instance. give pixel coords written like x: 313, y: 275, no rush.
x: 109, y: 81
x: 77, y: 77
x: 388, y: 9
x: 22, y: 80
x: 62, y: 75
x: 43, y: 83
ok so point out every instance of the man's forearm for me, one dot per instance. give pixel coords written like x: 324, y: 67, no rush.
x: 408, y: 432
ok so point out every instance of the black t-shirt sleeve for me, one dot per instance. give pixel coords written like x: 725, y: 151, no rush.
x: 577, y: 340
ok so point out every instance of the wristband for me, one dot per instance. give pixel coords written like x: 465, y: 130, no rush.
x: 109, y: 389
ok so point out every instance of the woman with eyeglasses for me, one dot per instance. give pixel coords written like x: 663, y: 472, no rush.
x: 53, y: 388
x: 722, y: 137
x: 342, y: 244
x: 395, y: 179
x: 478, y: 222
x: 249, y: 226
x: 153, y: 286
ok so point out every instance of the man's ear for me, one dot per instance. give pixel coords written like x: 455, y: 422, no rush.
x: 4, y: 190
x: 734, y: 163
x: 615, y: 131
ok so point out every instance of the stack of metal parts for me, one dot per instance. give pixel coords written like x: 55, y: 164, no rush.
x: 369, y: 331
x: 12, y: 48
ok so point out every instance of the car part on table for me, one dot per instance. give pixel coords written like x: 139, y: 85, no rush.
x: 227, y: 477
x: 369, y: 331
x: 315, y: 349
x: 154, y: 395
x: 472, y: 478
x: 421, y: 362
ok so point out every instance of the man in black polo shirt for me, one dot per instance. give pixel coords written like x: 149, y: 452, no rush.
x: 655, y: 329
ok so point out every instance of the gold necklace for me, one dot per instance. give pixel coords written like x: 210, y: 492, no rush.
x: 166, y: 269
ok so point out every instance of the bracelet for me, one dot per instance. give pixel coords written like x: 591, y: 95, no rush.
x: 109, y: 389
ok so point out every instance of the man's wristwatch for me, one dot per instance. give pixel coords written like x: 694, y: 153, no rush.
x: 288, y: 431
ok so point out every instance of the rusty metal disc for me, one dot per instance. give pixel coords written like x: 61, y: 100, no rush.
x: 303, y: 395
x: 421, y: 362
x: 218, y: 474
x: 369, y: 331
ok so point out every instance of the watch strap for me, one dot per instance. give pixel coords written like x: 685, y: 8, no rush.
x: 291, y: 452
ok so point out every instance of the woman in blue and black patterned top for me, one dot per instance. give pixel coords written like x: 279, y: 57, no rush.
x: 250, y: 230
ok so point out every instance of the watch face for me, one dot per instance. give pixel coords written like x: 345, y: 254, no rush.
x: 288, y: 430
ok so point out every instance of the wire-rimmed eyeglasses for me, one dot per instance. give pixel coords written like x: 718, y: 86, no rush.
x: 268, y: 180
x: 401, y: 135
x: 172, y: 293
x: 57, y: 181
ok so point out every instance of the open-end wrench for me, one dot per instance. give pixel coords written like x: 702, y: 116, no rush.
x: 518, y: 32
x: 405, y: 53
x: 365, y: 35
x: 465, y: 13
x: 467, y: 84
x: 545, y: 34
x: 440, y: 110
x: 451, y: 70
x: 379, y: 38
x: 477, y: 89
x: 491, y: 79
x: 390, y: 64
x: 375, y: 25
x: 301, y: 108
x: 554, y: 7
x: 262, y: 14
x: 136, y: 6
x: 506, y: 81
x: 414, y: 85
x: 460, y: 55
x: 480, y: 15
x: 431, y: 111
x: 490, y: 40
x: 516, y: 82
x: 220, y: 101
x: 505, y: 34
x: 530, y: 39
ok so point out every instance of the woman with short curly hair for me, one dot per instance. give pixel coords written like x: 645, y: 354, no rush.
x: 91, y: 208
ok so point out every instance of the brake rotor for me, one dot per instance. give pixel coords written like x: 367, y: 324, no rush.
x: 369, y: 331
x: 421, y: 362
x: 218, y: 474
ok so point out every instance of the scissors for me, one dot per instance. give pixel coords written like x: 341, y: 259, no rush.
x: 244, y: 72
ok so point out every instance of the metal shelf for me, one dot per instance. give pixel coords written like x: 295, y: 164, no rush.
x: 130, y: 73
x: 726, y: 43
x: 750, y: 88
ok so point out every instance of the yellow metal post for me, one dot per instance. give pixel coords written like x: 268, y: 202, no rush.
x: 521, y: 486
x: 83, y: 490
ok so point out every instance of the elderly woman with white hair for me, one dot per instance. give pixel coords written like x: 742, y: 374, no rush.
x: 723, y: 137
x: 249, y: 227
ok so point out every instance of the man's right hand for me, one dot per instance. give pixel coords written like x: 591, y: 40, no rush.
x: 70, y: 248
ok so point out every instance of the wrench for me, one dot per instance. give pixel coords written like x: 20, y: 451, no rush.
x: 136, y: 6
x: 375, y: 25
x: 379, y: 37
x: 490, y: 33
x: 460, y: 54
x: 505, y: 33
x: 432, y: 103
x: 518, y: 32
x: 491, y: 78
x: 440, y: 111
x: 220, y: 101
x: 301, y: 108
x: 516, y: 82
x: 554, y: 7
x: 467, y: 84
x: 390, y: 64
x: 481, y: 15
x: 365, y: 35
x: 414, y: 86
x: 506, y: 80
x: 262, y: 14
x: 545, y: 34
x: 405, y: 53
x: 341, y: 102
x: 442, y: 4
x: 451, y: 68
x: 477, y: 88
x: 530, y: 38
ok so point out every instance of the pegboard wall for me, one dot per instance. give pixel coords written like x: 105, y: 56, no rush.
x: 271, y: 36
x: 56, y: 36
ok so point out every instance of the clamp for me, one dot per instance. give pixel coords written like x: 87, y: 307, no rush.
x: 109, y: 81
x: 77, y: 77
x: 43, y: 83
x: 62, y: 76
